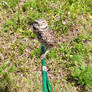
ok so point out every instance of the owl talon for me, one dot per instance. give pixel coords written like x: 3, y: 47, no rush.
x: 42, y: 56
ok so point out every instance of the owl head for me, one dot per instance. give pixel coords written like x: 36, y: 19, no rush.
x: 40, y: 24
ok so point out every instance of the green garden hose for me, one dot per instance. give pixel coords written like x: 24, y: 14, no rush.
x: 46, y: 83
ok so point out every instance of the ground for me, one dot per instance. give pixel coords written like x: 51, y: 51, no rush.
x: 69, y: 65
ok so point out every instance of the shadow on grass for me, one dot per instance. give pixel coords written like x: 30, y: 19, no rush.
x: 81, y: 88
x: 4, y: 89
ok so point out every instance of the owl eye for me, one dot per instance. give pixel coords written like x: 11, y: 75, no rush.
x: 36, y: 24
x: 43, y: 22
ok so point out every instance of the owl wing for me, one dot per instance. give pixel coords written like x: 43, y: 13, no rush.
x: 50, y: 37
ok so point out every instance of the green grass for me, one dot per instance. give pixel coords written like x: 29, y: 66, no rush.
x: 69, y: 65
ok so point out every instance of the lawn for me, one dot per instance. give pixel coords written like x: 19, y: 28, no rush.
x: 69, y: 65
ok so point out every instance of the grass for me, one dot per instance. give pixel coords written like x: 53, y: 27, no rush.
x: 69, y: 65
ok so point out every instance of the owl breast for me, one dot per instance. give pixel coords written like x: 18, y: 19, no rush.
x: 47, y: 37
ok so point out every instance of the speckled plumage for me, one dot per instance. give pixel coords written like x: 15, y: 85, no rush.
x: 44, y: 34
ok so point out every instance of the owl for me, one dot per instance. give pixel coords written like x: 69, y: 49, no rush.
x: 44, y: 34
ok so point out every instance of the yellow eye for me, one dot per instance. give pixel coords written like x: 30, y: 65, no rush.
x: 43, y: 23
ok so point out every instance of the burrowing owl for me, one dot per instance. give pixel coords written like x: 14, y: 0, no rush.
x: 44, y: 34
